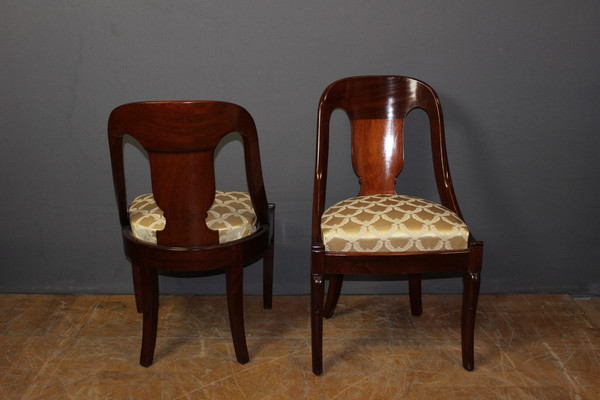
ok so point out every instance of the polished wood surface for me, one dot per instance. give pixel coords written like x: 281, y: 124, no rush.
x: 377, y: 107
x: 181, y: 138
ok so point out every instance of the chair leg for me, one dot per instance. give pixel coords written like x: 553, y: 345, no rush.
x: 149, y: 290
x: 137, y: 289
x: 333, y: 294
x: 235, y: 304
x: 414, y: 293
x: 268, y: 276
x: 316, y: 318
x: 469, y: 309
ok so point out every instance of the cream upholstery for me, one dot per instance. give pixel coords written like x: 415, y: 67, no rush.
x: 231, y: 214
x: 391, y: 223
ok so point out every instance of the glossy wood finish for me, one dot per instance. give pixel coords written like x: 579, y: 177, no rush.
x: 377, y: 107
x: 180, y: 138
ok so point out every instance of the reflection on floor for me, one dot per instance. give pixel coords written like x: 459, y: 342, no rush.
x: 87, y: 347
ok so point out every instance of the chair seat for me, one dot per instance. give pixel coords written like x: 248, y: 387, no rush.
x: 231, y: 214
x: 391, y: 223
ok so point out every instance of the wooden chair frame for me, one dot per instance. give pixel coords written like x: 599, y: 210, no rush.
x: 377, y: 107
x: 181, y: 138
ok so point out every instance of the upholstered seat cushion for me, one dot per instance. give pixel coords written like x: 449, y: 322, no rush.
x: 391, y: 223
x: 231, y: 214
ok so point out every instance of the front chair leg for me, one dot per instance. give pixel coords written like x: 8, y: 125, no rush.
x: 469, y: 309
x: 316, y: 318
x: 235, y: 304
x: 149, y: 289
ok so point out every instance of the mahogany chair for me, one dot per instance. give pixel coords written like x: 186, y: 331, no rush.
x: 185, y: 224
x: 380, y: 231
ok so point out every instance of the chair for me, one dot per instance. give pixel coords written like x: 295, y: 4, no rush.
x: 379, y: 231
x: 185, y: 224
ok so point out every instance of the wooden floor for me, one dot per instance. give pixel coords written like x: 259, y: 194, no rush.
x: 86, y: 347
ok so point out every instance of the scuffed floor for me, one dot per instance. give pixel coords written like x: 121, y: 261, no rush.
x: 87, y: 347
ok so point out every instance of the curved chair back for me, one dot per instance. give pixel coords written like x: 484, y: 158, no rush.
x: 180, y: 138
x: 377, y: 107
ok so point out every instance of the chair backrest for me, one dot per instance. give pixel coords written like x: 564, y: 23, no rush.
x: 377, y: 107
x: 180, y: 138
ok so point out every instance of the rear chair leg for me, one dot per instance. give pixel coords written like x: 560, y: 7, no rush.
x: 235, y: 303
x: 137, y: 287
x: 149, y: 289
x: 268, y: 275
x: 333, y: 294
x: 414, y: 293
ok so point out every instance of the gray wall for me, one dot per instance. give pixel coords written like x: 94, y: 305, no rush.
x: 519, y: 82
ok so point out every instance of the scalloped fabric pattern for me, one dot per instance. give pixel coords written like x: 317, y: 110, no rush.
x: 391, y: 223
x: 231, y: 214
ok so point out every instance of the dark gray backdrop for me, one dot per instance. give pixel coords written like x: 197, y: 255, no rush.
x: 519, y: 83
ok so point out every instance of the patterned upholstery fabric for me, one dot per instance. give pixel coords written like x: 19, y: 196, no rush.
x: 231, y: 214
x: 391, y: 223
